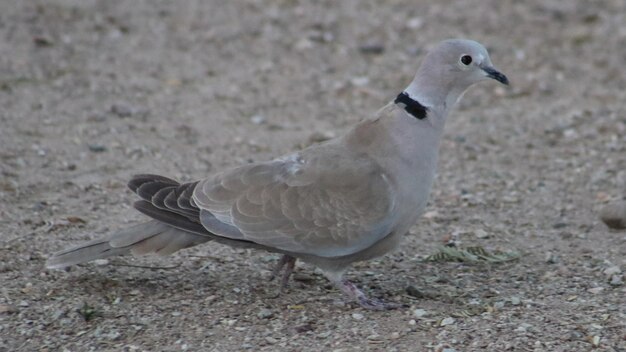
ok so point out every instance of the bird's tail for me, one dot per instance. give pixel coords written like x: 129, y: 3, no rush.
x: 149, y: 237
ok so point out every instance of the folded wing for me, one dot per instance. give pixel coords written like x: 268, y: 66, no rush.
x: 325, y: 203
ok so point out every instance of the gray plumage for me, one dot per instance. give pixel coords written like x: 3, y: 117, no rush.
x: 332, y: 204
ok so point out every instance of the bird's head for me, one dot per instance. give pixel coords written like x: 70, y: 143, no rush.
x: 462, y: 61
x: 449, y: 69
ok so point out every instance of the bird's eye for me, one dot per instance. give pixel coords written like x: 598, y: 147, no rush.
x: 466, y: 60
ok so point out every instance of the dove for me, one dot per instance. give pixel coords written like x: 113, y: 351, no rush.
x: 349, y: 199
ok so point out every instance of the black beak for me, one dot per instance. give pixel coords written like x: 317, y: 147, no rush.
x: 497, y: 75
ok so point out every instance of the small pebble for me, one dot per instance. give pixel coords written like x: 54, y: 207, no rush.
x: 42, y: 41
x: 614, y: 215
x: 304, y: 328
x: 420, y: 313
x: 360, y: 81
x: 58, y: 314
x: 97, y: 148
x: 122, y: 110
x: 114, y: 335
x: 265, y: 314
x: 574, y: 335
x: 303, y: 277
x: 617, y: 280
x: 481, y: 234
x: 97, y: 117
x: 414, y: 292
x: 372, y: 48
x: 101, y: 262
x: 414, y: 22
x: 271, y: 340
x: 447, y: 321
x: 551, y: 258
x: 357, y: 316
x: 596, y: 290
x: 595, y: 341
x: 7, y: 308
x: 304, y: 44
x: 257, y: 119
x: 324, y: 334
x: 523, y: 327
x: 612, y: 270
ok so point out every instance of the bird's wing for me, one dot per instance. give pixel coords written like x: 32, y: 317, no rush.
x: 324, y: 201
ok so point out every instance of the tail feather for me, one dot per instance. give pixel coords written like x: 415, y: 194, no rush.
x: 176, y: 225
x: 149, y: 237
x: 135, y: 234
x: 92, y: 250
x: 180, y: 240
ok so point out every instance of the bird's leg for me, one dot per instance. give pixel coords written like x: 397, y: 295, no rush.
x: 290, y: 263
x: 359, y: 296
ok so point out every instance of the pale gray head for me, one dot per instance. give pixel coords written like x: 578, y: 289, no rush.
x: 463, y: 62
x: 449, y: 69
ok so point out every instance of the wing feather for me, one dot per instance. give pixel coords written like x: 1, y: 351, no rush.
x: 328, y: 205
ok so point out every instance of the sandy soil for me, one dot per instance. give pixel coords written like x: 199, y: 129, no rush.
x: 92, y: 92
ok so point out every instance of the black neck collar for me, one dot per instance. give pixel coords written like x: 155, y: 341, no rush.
x: 411, y: 106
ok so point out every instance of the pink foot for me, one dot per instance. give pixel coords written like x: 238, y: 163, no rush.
x: 368, y: 303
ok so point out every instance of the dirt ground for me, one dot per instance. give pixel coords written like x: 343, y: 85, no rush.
x: 92, y: 92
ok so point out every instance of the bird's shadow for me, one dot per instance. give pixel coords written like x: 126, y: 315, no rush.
x: 109, y: 282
